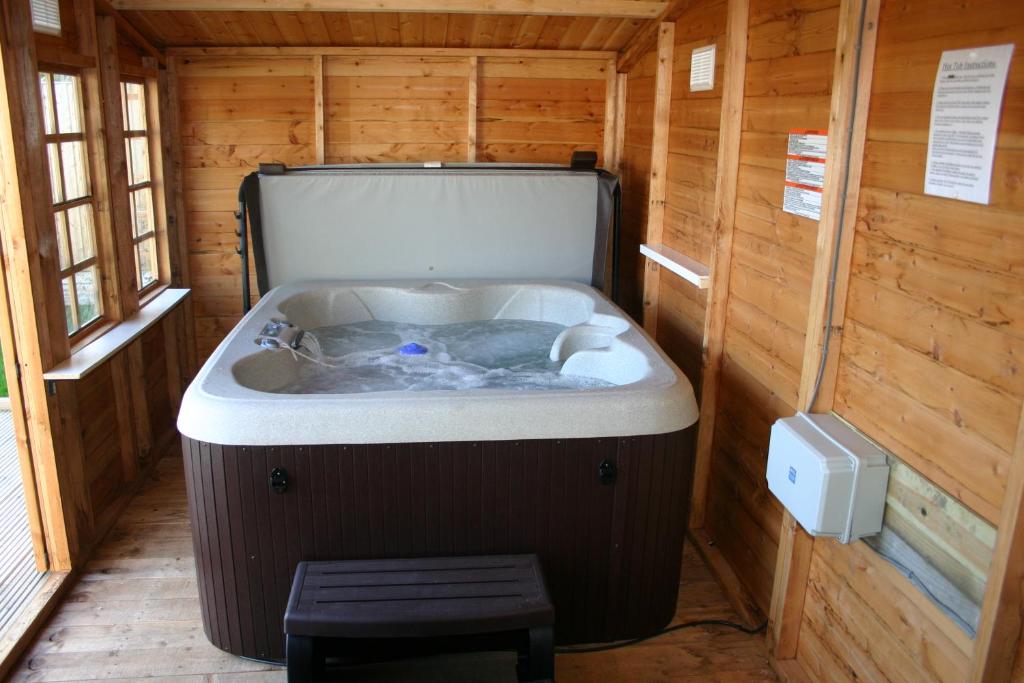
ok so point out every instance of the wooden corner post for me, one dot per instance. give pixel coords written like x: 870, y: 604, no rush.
x: 472, y: 84
x: 110, y: 171
x: 659, y: 170
x: 851, y: 93
x: 724, y: 218
x: 29, y: 247
x: 1001, y: 624
x: 319, y: 129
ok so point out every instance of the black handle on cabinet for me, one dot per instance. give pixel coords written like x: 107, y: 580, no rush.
x: 279, y: 479
x: 607, y: 472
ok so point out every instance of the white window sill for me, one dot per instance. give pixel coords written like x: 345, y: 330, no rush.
x: 685, y: 267
x: 95, y: 353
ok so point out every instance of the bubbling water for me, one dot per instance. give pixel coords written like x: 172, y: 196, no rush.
x: 377, y: 355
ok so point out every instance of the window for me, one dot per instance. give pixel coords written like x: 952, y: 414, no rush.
x: 73, y: 207
x: 140, y: 183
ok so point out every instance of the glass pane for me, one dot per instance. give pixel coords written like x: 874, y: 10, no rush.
x: 69, y: 103
x: 138, y: 158
x: 128, y: 159
x: 44, y: 91
x: 142, y: 212
x: 124, y: 107
x: 146, y: 254
x: 69, y: 313
x: 87, y: 287
x: 135, y: 102
x: 56, y: 186
x: 76, y: 170
x: 80, y: 230
x: 62, y: 240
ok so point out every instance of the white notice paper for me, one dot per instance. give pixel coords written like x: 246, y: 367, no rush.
x: 965, y: 115
x: 805, y: 172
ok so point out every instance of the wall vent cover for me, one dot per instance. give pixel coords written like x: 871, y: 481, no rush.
x: 702, y: 68
x: 46, y: 16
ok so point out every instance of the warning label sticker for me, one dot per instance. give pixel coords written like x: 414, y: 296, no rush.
x: 805, y: 172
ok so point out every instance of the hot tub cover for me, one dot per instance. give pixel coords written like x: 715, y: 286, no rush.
x: 387, y: 222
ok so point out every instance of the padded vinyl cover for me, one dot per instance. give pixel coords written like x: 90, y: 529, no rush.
x: 380, y: 222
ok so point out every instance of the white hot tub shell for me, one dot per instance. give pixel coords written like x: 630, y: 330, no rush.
x: 232, y: 401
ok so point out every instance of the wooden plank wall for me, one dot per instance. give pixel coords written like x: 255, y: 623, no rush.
x: 238, y: 111
x: 396, y: 108
x: 930, y: 346
x: 126, y: 408
x: 635, y: 168
x: 540, y: 109
x: 235, y: 113
x: 790, y: 55
x: 932, y: 341
x: 690, y: 197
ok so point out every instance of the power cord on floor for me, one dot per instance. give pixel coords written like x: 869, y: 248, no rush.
x: 586, y: 649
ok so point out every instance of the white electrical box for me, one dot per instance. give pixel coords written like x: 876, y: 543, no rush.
x: 830, y: 478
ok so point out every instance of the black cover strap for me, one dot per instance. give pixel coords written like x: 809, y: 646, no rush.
x: 250, y: 226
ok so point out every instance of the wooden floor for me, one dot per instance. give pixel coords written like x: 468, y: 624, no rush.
x: 19, y: 578
x: 135, y: 615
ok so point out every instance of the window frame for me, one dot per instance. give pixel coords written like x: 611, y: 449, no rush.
x: 148, y: 184
x: 62, y: 229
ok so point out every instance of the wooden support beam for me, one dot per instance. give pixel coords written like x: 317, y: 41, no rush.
x: 792, y: 566
x: 731, y: 586
x: 723, y: 224
x: 172, y: 356
x: 851, y: 96
x: 128, y: 29
x: 319, y: 133
x: 125, y: 422
x: 472, y: 87
x: 137, y: 381
x: 21, y: 434
x: 851, y: 91
x: 643, y: 9
x: 162, y: 190
x: 49, y: 54
x: 611, y: 107
x: 170, y: 143
x: 647, y: 37
x: 31, y: 266
x: 74, y: 492
x: 386, y: 52
x: 1001, y: 624
x: 109, y: 165
x: 621, y: 86
x: 657, y: 183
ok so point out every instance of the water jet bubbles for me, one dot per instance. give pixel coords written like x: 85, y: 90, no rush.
x: 378, y: 355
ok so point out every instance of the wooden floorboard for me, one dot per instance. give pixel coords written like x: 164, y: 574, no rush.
x: 19, y: 578
x: 134, y: 615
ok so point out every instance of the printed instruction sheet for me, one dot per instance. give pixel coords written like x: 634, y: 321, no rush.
x: 966, y: 102
x: 805, y: 172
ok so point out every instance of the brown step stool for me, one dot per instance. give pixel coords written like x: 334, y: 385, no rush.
x: 359, y: 603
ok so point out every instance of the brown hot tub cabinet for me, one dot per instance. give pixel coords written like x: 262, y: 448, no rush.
x: 595, y: 481
x: 606, y: 516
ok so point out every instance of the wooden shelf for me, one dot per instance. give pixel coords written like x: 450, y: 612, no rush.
x: 685, y: 267
x: 90, y: 356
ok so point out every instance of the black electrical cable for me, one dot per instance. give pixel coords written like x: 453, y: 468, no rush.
x: 586, y: 649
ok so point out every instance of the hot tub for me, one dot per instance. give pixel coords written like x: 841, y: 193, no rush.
x: 593, y: 475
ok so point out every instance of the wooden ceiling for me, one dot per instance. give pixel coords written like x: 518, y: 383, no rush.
x: 383, y: 29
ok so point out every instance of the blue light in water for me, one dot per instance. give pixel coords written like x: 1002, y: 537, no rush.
x: 412, y: 349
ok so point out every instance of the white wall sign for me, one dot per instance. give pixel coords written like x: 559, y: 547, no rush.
x: 805, y: 172
x: 966, y: 101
